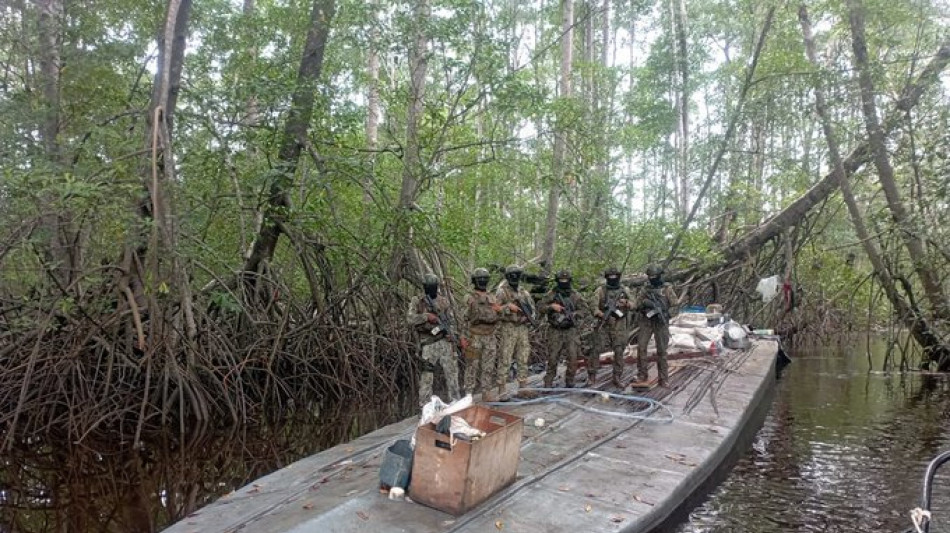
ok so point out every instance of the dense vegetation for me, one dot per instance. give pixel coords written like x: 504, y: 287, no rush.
x: 215, y: 213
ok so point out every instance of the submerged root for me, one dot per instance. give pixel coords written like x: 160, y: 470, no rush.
x: 75, y: 375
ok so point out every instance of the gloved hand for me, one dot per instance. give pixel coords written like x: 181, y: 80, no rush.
x: 432, y: 318
x: 514, y: 308
x: 623, y: 303
x: 599, y: 314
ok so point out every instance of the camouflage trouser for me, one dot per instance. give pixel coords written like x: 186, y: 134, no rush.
x: 514, y: 345
x: 440, y: 353
x: 568, y: 340
x: 480, y: 372
x: 613, y: 336
x: 660, y: 332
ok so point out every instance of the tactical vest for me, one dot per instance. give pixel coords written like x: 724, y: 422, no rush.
x: 482, y: 318
x: 512, y: 296
x: 610, y: 294
x: 565, y: 319
x: 425, y: 328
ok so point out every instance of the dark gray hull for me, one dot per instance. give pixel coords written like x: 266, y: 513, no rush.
x: 579, y: 472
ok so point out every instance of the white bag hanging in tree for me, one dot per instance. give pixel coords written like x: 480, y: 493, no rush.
x: 768, y: 288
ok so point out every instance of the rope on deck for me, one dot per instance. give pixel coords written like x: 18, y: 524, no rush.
x: 919, y: 518
x: 561, y: 395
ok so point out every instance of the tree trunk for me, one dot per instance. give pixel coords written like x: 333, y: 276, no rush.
x: 560, y: 138
x: 163, y: 270
x: 727, y: 137
x: 252, y: 113
x: 160, y: 119
x: 860, y: 155
x: 293, y: 137
x: 590, y: 206
x: 910, y: 234
x: 478, y: 202
x: 682, y: 63
x: 372, y: 100
x: 604, y: 99
x: 62, y: 254
x: 405, y: 253
x: 917, y: 325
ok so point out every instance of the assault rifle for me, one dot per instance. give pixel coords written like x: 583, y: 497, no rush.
x: 527, y: 310
x: 444, y: 325
x: 568, y: 314
x: 657, y: 308
x: 611, y: 308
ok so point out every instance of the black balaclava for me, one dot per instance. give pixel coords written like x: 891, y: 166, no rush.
x: 564, y: 282
x: 655, y: 275
x: 430, y: 284
x: 612, y: 275
x: 480, y: 279
x: 513, y: 275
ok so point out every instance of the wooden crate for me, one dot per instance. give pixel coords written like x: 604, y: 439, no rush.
x: 457, y: 478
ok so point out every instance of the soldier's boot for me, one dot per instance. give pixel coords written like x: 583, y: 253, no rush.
x: 522, y: 384
x: 615, y: 381
x: 640, y: 383
x: 502, y: 394
x: 569, y: 379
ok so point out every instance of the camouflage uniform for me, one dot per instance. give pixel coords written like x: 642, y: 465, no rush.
x: 663, y: 298
x: 564, y: 333
x: 612, y: 333
x: 513, y: 333
x: 481, y: 356
x: 435, y: 349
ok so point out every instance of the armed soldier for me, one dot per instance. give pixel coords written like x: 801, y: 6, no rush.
x: 611, y: 301
x: 566, y: 311
x: 429, y: 315
x: 481, y: 356
x: 654, y: 302
x: 517, y: 317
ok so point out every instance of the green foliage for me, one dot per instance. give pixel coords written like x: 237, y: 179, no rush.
x: 491, y: 107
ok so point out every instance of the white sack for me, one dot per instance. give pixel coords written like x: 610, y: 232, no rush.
x: 768, y: 288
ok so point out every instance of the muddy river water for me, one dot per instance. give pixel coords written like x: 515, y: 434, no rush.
x: 842, y: 449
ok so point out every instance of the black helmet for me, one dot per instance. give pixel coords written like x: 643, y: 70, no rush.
x: 612, y: 275
x: 513, y: 275
x: 430, y: 284
x: 480, y: 278
x: 655, y: 275
x: 563, y: 279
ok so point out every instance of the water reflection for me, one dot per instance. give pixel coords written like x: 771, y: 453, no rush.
x: 843, y: 449
x: 46, y: 485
